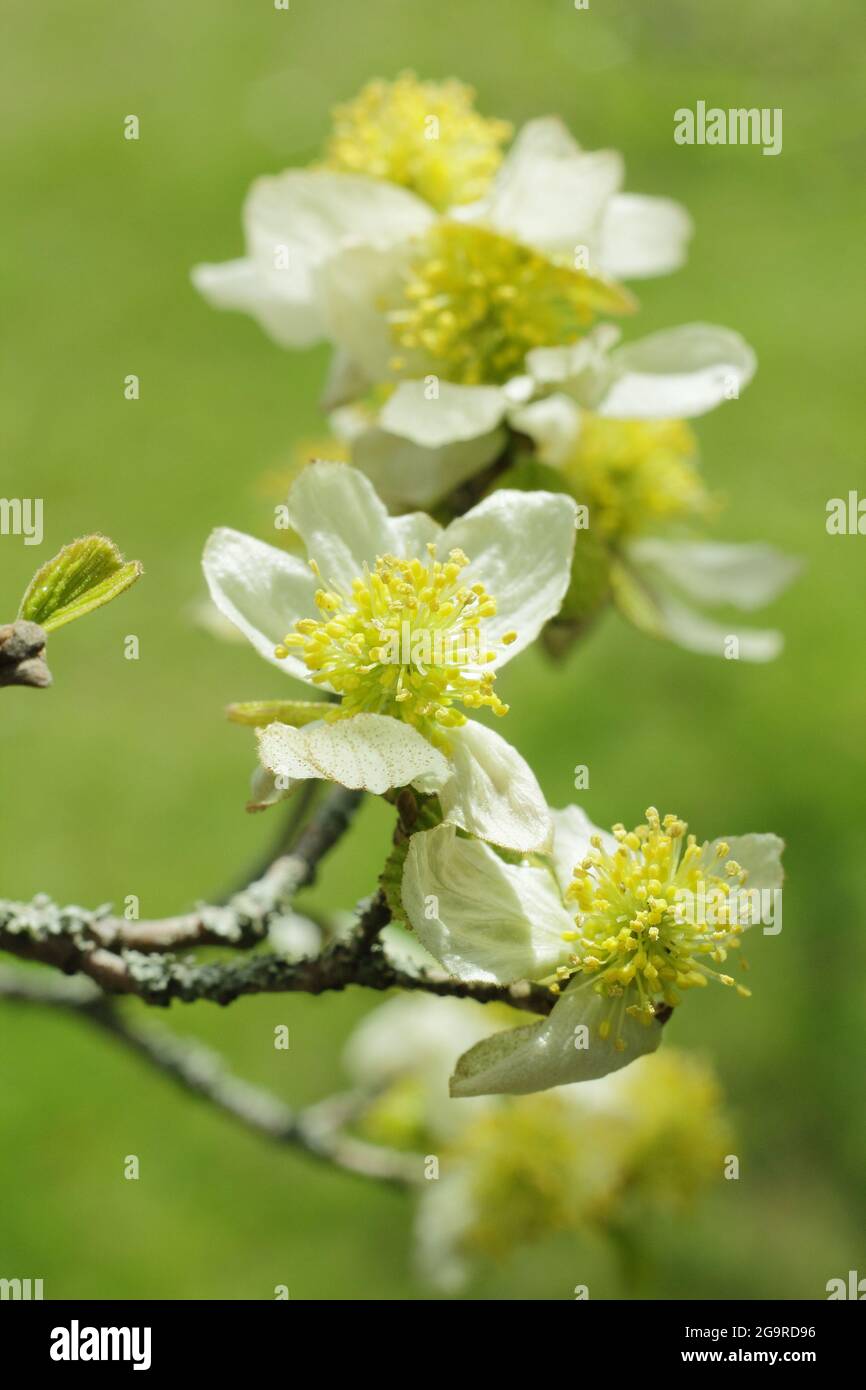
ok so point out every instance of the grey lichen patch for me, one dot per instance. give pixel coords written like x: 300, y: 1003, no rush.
x: 156, y: 978
x: 42, y: 920
x: 226, y: 924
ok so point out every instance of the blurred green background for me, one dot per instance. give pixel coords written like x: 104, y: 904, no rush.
x: 125, y: 778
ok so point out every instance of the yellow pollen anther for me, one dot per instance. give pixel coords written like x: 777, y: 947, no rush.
x: 455, y: 321
x: 635, y: 475
x: 425, y: 136
x: 406, y: 641
x: 653, y: 914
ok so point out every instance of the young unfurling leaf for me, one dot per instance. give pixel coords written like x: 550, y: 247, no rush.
x: 83, y: 576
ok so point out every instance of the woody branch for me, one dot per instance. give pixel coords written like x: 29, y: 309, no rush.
x: 137, y: 958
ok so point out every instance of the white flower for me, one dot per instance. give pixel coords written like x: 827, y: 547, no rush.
x: 656, y: 914
x: 602, y: 1156
x: 415, y: 1037
x: 294, y: 223
x: 554, y: 199
x: 405, y: 295
x: 405, y: 622
x: 549, y: 194
x: 655, y: 581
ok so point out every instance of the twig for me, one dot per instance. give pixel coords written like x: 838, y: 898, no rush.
x: 74, y: 938
x: 297, y: 809
x: 22, y: 655
x: 136, y: 957
x: 360, y: 960
x: 318, y: 1129
x: 374, y: 917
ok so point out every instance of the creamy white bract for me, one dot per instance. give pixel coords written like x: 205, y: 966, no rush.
x: 408, y: 624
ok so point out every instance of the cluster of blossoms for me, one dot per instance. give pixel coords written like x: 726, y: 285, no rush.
x: 606, y: 1157
x: 466, y: 293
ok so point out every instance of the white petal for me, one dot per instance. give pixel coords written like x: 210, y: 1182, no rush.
x: 712, y: 572
x: 545, y: 137
x: 313, y: 213
x: 294, y: 223
x: 520, y: 545
x: 493, y: 793
x: 579, y: 366
x: 675, y: 374
x: 228, y: 285
x: 481, y: 918
x: 572, y: 829
x: 553, y: 424
x: 348, y: 422
x: 695, y: 632
x: 342, y: 522
x: 519, y: 390
x: 297, y: 221
x: 282, y: 302
x: 445, y: 1213
x: 416, y: 1034
x: 759, y: 855
x: 357, y: 285
x: 412, y: 533
x: 407, y: 474
x: 457, y: 412
x: 550, y: 194
x: 548, y: 1053
x: 369, y: 751
x: 346, y: 382
x: 262, y: 590
x: 319, y: 211
x: 649, y: 596
x: 643, y: 236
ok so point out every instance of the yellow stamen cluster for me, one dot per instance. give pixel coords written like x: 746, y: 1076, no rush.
x: 476, y: 302
x: 529, y: 1172
x: 653, y: 918
x: 635, y: 473
x: 406, y: 642
x: 425, y: 136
